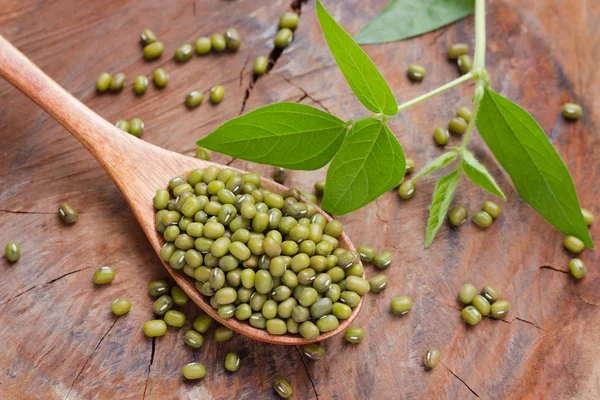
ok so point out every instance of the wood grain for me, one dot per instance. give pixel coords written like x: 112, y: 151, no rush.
x: 63, y: 342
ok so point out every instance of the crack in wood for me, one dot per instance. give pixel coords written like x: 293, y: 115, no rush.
x: 27, y: 212
x: 296, y: 5
x: 459, y: 378
x: 522, y: 320
x: 307, y: 372
x: 19, y: 294
x: 43, y: 284
x: 305, y: 93
x: 588, y: 302
x: 150, y: 366
x: 153, y: 351
x: 90, y: 357
x: 553, y: 269
x: 531, y: 323
x: 64, y: 275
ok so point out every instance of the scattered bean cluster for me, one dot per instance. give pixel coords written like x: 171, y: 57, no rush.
x: 153, y: 49
x: 484, y: 218
x: 489, y: 212
x: 167, y: 298
x: 288, y: 22
x: 460, y: 53
x: 481, y: 305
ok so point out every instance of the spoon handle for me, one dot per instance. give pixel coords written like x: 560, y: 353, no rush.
x: 98, y: 135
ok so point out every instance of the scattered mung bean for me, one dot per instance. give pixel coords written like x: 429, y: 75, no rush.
x: 431, y: 358
x: 401, y: 305
x: 577, y: 268
x: 153, y: 50
x: 572, y: 111
x: 120, y: 306
x: 104, y: 275
x: 12, y: 251
x: 354, y: 335
x: 457, y: 49
x: 416, y: 72
x: 194, y: 370
x: 67, y: 213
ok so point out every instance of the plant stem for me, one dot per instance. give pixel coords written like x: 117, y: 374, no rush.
x: 443, y: 88
x: 471, y: 124
x: 479, y: 61
x: 478, y: 65
x: 374, y: 116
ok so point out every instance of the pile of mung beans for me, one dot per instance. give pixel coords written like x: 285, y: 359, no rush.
x: 485, y: 304
x: 260, y: 257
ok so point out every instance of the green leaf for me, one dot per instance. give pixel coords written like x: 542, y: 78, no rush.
x: 540, y: 176
x: 364, y: 78
x: 477, y: 173
x: 435, y: 164
x: 402, y: 19
x: 289, y: 135
x: 370, y: 162
x: 442, y: 197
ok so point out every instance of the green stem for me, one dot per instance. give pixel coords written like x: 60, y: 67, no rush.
x: 479, y: 61
x: 441, y: 89
x: 374, y: 116
x: 478, y: 65
x: 471, y: 124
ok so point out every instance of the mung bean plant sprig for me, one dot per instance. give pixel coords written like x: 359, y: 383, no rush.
x: 367, y: 159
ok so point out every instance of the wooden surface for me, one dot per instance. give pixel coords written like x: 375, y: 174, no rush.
x: 60, y: 339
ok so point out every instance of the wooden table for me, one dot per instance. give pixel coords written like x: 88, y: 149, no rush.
x: 60, y: 339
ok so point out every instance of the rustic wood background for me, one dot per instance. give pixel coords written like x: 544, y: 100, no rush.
x: 60, y: 339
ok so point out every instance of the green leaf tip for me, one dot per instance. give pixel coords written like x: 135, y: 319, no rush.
x: 537, y: 171
x: 362, y: 75
x: 442, y: 197
x: 478, y: 174
x: 288, y: 135
x: 403, y: 19
x: 369, y: 162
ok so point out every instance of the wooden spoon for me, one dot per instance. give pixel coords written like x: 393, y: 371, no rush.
x: 138, y: 168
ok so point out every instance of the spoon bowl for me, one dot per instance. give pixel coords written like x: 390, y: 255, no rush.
x: 138, y: 169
